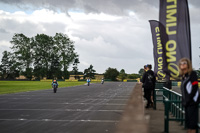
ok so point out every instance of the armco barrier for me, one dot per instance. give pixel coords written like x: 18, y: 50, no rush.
x: 107, y: 80
x: 50, y: 80
x: 46, y: 80
x: 132, y: 81
x: 82, y: 80
x: 60, y: 79
x: 133, y: 119
x: 74, y: 80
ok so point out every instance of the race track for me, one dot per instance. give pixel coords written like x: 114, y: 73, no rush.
x: 82, y: 109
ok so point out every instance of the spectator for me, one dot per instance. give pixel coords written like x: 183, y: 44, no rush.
x: 145, y: 69
x: 190, y: 94
x: 149, y: 85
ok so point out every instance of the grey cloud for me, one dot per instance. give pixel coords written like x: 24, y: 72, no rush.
x: 3, y: 30
x: 105, y: 43
x: 29, y: 28
x: 121, y: 42
x: 194, y: 2
x: 116, y: 7
x: 2, y: 49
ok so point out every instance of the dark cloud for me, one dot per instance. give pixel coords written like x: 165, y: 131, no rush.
x: 116, y: 7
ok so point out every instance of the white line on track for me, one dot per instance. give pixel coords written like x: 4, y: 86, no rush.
x: 110, y: 104
x: 66, y: 98
x: 94, y: 104
x: 69, y: 110
x: 49, y: 120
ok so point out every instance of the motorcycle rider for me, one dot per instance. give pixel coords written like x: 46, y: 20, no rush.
x: 54, y: 83
x: 88, y: 81
x: 102, y: 80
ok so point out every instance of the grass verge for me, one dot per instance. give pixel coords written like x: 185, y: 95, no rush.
x: 23, y: 86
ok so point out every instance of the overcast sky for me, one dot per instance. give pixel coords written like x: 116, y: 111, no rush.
x: 107, y: 33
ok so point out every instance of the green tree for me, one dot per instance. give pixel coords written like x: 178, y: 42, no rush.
x: 43, y: 50
x: 198, y: 73
x: 22, y: 47
x: 111, y: 73
x: 75, y: 68
x: 5, y: 65
x: 133, y: 76
x: 10, y: 67
x: 66, y: 51
x: 90, y: 72
x: 42, y: 55
x: 141, y: 71
x: 55, y: 69
x: 122, y: 75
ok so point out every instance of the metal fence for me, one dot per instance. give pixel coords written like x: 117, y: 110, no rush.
x: 174, y: 111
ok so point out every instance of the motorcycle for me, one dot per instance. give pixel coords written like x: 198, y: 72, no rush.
x: 102, y: 81
x: 88, y: 83
x: 55, y: 88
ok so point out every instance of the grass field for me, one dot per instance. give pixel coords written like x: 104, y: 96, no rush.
x: 22, y: 86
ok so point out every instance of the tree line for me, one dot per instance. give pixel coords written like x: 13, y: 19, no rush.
x: 48, y: 56
x: 113, y: 74
x: 39, y: 56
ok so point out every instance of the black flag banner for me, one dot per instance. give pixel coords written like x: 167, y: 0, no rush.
x: 159, y: 61
x: 176, y: 38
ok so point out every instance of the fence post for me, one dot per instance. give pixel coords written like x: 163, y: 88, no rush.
x: 197, y: 130
x: 176, y: 112
x: 170, y: 97
x: 179, y: 104
x: 154, y: 99
x: 184, y: 118
x: 164, y: 94
x: 166, y: 102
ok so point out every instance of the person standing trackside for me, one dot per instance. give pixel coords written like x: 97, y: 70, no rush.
x: 148, y: 84
x: 190, y: 94
x: 142, y: 80
x: 145, y: 69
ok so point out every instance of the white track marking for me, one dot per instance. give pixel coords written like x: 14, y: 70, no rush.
x: 94, y: 104
x: 110, y: 104
x: 102, y: 99
x: 50, y: 120
x: 69, y: 110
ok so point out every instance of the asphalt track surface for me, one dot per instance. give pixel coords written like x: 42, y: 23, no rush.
x: 82, y: 109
